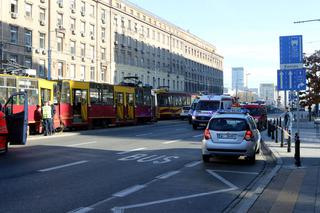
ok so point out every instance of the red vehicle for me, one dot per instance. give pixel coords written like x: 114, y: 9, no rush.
x: 14, y: 121
x: 144, y: 110
x: 259, y: 113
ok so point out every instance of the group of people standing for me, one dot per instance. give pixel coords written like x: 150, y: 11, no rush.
x: 48, y: 112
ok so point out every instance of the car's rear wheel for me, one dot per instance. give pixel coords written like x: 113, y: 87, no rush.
x: 206, y: 158
x: 195, y: 126
x: 5, y: 150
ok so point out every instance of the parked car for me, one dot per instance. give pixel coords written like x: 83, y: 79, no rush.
x: 185, y: 112
x: 259, y: 113
x: 231, y: 134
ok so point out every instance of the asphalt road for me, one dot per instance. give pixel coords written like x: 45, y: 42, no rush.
x: 148, y: 168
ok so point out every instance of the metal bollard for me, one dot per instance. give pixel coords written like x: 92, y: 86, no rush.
x: 281, y: 135
x: 289, y: 141
x: 297, y: 150
x: 277, y: 130
x: 269, y: 128
x: 272, y: 129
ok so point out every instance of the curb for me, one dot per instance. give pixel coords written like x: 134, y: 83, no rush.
x: 266, y: 176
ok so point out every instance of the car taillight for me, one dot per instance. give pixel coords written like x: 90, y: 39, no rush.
x: 248, y: 135
x: 207, y: 134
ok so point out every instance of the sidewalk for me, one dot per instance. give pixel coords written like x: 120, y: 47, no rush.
x: 293, y: 189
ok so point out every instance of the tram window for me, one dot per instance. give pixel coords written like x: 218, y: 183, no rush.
x: 57, y: 95
x: 107, y: 96
x: 94, y: 96
x: 139, y: 97
x: 11, y: 82
x: 120, y: 98
x: 147, y: 100
x: 3, y: 95
x: 84, y: 97
x: 65, y: 93
x: 130, y: 99
x: 45, y: 95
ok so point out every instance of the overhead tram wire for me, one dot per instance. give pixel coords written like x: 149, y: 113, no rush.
x: 304, y: 21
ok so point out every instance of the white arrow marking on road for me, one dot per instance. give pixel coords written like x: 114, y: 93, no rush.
x: 290, y: 79
x: 281, y: 79
x: 63, y: 166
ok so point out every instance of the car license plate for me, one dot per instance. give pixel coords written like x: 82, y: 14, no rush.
x: 227, y: 136
x: 202, y: 124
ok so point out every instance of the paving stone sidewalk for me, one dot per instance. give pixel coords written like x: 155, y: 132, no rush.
x: 294, y: 189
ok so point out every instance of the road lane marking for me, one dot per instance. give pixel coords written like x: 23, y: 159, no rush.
x: 132, y: 150
x: 122, y: 208
x: 221, y: 179
x: 85, y: 143
x: 237, y: 172
x: 173, y: 141
x: 168, y: 174
x: 192, y: 164
x: 197, y: 136
x: 62, y: 166
x: 129, y: 191
x: 81, y: 210
x: 145, y: 134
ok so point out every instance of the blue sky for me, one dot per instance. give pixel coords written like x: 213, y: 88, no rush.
x: 245, y: 32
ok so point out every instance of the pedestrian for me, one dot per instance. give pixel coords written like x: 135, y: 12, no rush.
x: 288, y: 119
x: 51, y: 121
x: 46, y: 117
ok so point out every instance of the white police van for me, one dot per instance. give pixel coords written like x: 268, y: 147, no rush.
x: 207, y: 106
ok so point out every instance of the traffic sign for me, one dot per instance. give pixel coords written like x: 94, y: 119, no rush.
x: 291, y: 55
x: 292, y: 79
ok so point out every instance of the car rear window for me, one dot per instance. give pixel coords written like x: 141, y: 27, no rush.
x: 208, y: 105
x: 228, y: 124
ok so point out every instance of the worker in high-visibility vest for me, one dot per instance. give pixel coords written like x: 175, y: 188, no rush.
x: 46, y: 118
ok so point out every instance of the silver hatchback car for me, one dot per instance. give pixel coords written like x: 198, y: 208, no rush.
x: 231, y: 134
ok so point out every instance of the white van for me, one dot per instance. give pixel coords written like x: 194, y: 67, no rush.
x: 207, y: 106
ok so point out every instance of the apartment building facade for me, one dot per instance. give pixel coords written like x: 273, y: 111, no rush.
x: 104, y: 41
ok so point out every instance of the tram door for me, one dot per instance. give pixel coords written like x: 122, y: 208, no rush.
x: 79, y: 105
x: 130, y: 106
x: 120, y: 105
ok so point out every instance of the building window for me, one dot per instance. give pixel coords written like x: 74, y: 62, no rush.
x: 42, y: 68
x: 92, y: 73
x: 28, y: 62
x: 115, y: 21
x: 103, y: 53
x: 83, y: 27
x: 14, y: 58
x: 42, y: 14
x: 72, y: 4
x: 122, y: 22
x: 72, y: 71
x: 135, y: 27
x: 60, y: 19
x: 148, y: 32
x: 129, y: 24
x: 28, y: 9
x: 91, y: 11
x: 14, y: 6
x: 73, y: 48
x: 59, y: 44
x: 92, y: 55
x: 14, y: 34
x: 103, y: 14
x: 103, y: 33
x: 153, y: 34
x: 103, y: 73
x: 60, y: 69
x: 28, y: 38
x: 158, y: 37
x: 91, y: 30
x: 42, y: 40
x: 83, y: 49
x: 73, y: 24
x: 174, y: 84
x: 83, y: 7
x: 82, y: 72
